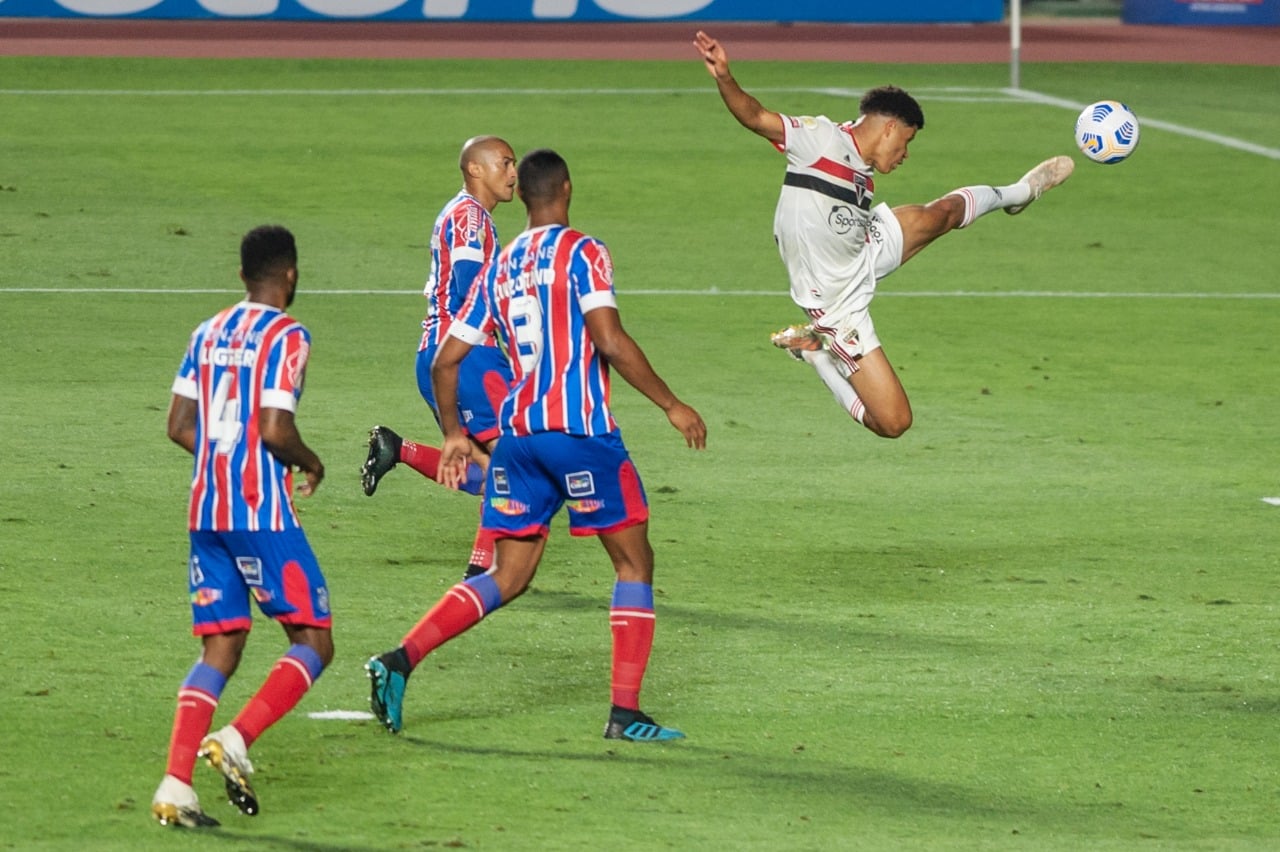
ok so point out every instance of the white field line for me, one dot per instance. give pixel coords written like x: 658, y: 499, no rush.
x: 1145, y: 122
x: 710, y: 291
x: 954, y: 94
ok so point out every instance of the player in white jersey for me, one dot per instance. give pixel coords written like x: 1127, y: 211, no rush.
x: 837, y: 243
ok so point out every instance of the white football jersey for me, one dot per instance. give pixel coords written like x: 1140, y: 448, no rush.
x: 823, y: 215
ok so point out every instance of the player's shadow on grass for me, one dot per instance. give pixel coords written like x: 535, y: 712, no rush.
x: 255, y: 840
x: 834, y: 786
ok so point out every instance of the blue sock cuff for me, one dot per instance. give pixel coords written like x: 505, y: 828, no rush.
x: 205, y: 678
x: 474, y: 483
x: 487, y: 589
x: 633, y: 595
x: 307, y: 655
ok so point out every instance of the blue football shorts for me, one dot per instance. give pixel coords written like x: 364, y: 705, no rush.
x: 484, y: 377
x: 532, y: 476
x: 278, y: 570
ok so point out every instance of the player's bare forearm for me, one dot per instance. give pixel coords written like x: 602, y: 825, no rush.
x: 627, y: 358
x: 280, y: 435
x: 749, y: 112
x: 182, y: 422
x: 455, y: 452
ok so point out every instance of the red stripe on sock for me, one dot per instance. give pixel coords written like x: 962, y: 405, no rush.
x: 632, y: 642
x: 280, y: 692
x: 191, y: 722
x: 458, y: 610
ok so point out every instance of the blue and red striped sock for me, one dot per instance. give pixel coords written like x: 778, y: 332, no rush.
x: 631, y: 619
x: 197, y: 700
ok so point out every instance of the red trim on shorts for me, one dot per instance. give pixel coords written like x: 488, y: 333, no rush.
x: 538, y: 530
x: 632, y: 498
x: 215, y: 628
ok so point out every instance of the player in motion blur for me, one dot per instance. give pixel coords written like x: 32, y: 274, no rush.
x: 836, y: 245
x: 551, y: 301
x: 462, y: 241
x: 233, y: 408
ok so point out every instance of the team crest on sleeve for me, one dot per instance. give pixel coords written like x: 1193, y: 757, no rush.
x: 296, y: 363
x: 602, y: 266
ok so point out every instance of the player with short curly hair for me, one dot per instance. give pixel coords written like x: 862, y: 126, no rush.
x: 837, y: 243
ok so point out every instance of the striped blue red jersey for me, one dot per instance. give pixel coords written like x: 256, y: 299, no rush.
x: 462, y: 241
x: 535, y: 298
x: 248, y: 357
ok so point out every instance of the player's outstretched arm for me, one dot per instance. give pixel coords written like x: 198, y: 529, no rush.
x: 280, y: 434
x: 749, y: 112
x: 626, y: 356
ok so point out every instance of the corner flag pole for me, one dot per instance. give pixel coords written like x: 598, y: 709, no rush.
x: 1015, y: 44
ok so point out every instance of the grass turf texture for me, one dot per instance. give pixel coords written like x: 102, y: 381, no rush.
x: 1044, y: 619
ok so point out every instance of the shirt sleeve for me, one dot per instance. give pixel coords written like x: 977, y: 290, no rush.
x: 474, y: 322
x: 184, y: 383
x: 286, y: 369
x: 471, y: 243
x: 806, y: 137
x: 593, y: 276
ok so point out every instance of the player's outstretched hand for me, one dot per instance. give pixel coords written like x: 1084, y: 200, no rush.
x: 690, y: 424
x: 712, y: 54
x: 455, y: 452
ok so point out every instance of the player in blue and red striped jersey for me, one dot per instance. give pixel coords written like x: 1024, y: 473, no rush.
x: 463, y: 239
x: 233, y: 406
x: 550, y: 300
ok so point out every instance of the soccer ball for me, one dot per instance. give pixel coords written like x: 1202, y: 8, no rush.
x: 1107, y: 132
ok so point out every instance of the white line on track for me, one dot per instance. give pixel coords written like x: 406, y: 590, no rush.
x: 710, y: 291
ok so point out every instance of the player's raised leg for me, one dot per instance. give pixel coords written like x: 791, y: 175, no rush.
x: 921, y: 224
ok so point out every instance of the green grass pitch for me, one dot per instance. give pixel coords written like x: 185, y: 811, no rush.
x: 1046, y: 618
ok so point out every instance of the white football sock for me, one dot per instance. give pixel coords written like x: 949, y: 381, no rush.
x: 836, y: 382
x: 981, y: 200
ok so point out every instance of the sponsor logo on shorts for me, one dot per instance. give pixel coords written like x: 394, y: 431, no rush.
x: 205, y: 597
x: 260, y: 595
x: 580, y: 484
x: 501, y: 482
x: 506, y: 506
x: 250, y: 567
x: 584, y: 506
x: 874, y: 232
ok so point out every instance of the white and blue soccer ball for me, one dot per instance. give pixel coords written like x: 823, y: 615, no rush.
x: 1107, y: 132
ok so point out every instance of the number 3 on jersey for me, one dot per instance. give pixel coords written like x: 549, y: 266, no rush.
x: 222, y: 420
x: 526, y: 326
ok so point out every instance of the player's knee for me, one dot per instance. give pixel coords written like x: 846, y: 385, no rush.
x: 891, y: 427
